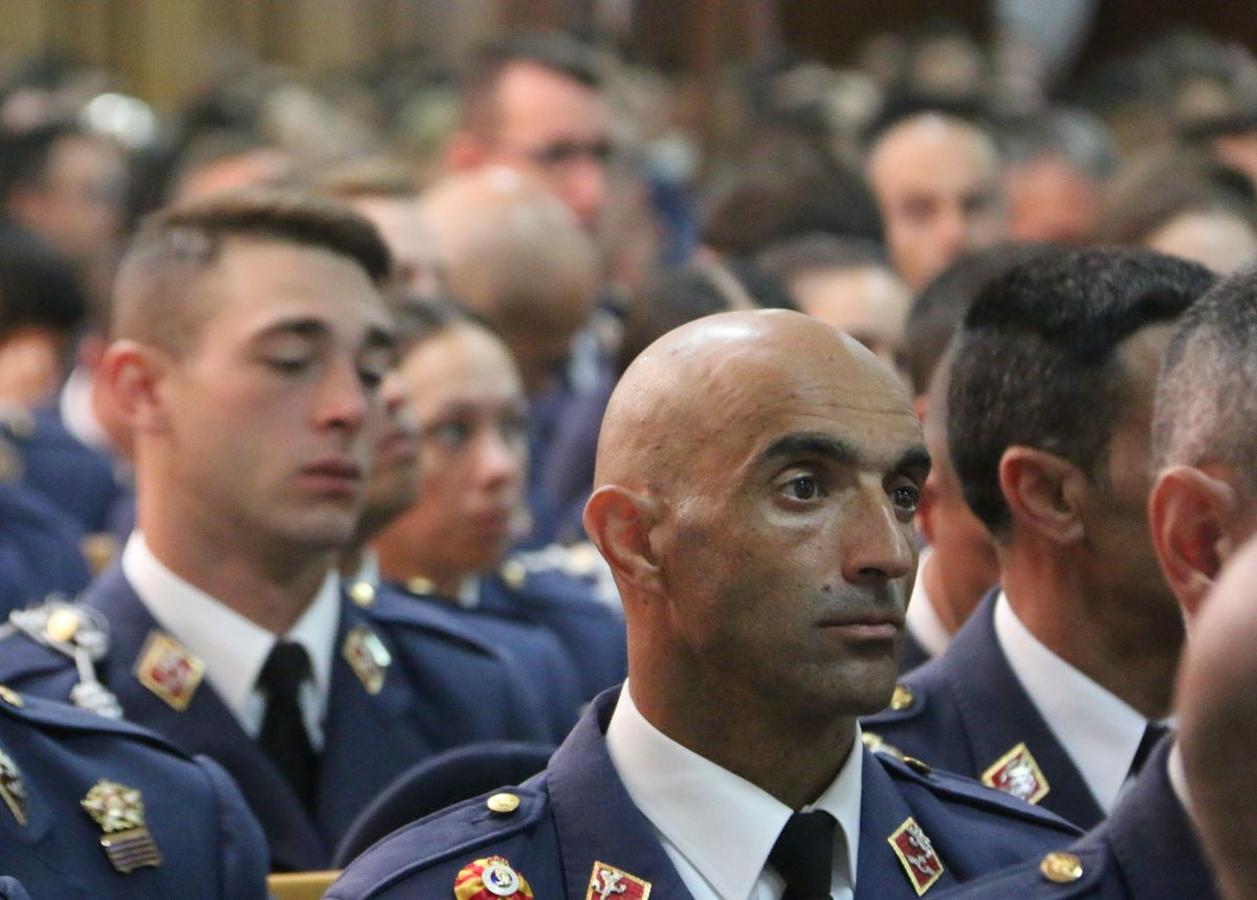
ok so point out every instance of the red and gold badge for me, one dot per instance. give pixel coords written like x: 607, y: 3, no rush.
x: 917, y: 855
x: 609, y: 883
x: 167, y: 669
x: 484, y: 879
x: 1017, y: 773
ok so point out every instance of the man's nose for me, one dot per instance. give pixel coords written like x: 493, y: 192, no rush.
x: 876, y: 545
x: 345, y: 400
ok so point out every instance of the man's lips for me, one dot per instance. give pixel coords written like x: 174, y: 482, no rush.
x: 333, y: 475
x: 871, y: 626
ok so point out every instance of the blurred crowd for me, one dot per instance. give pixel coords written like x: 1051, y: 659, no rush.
x: 545, y: 213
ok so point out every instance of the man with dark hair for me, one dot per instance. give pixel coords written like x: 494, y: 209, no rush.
x: 1057, y: 684
x: 250, y: 343
x: 757, y: 473
x: 536, y: 104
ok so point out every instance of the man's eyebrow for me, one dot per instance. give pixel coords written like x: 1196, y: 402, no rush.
x: 915, y: 460
x: 378, y: 337
x: 808, y: 444
x: 302, y: 327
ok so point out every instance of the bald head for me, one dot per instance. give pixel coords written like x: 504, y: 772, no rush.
x: 1218, y: 725
x: 936, y: 180
x: 515, y: 254
x: 703, y: 385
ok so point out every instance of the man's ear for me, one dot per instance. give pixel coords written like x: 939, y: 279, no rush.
x: 1189, y: 512
x: 128, y: 392
x: 1044, y: 493
x: 619, y: 522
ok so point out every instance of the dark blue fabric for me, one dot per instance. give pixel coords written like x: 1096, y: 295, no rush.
x: 443, y: 689
x: 210, y: 845
x: 1146, y: 849
x: 592, y: 633
x: 578, y: 812
x: 969, y: 709
x: 40, y: 549
x: 539, y: 660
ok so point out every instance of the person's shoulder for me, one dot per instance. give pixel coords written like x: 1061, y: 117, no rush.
x: 1077, y: 872
x: 971, y: 797
x: 42, y: 648
x: 424, y: 858
x: 920, y: 695
x: 406, y: 618
x: 573, y: 578
x: 65, y: 722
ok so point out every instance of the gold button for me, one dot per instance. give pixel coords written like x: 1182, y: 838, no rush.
x: 62, y: 625
x: 100, y: 549
x: 10, y: 696
x: 514, y: 573
x: 503, y: 803
x: 420, y: 585
x: 902, y: 697
x: 1061, y: 867
x: 362, y: 593
x: 916, y: 765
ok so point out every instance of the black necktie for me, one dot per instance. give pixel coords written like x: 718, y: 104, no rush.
x: 804, y: 855
x: 284, y: 737
x: 1153, y: 732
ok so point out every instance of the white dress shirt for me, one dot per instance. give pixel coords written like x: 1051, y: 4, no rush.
x: 716, y: 827
x: 233, y: 648
x: 1098, y: 730
x: 922, y: 619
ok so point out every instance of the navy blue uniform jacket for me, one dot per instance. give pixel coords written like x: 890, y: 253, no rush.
x: 210, y: 845
x: 1146, y: 849
x: 968, y: 710
x: 578, y: 812
x: 40, y: 549
x: 441, y: 690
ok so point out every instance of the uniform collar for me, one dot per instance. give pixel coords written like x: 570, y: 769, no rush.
x: 713, y: 824
x: 232, y: 647
x: 1098, y: 730
x: 922, y: 618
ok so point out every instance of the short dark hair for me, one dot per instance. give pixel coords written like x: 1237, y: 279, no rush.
x: 24, y: 155
x: 38, y: 287
x: 152, y: 295
x: 1206, y: 408
x: 800, y: 256
x: 419, y: 319
x: 555, y: 51
x: 938, y: 310
x: 1037, y: 364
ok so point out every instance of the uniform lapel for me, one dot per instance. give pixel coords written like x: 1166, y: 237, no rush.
x: 594, y: 816
x: 883, y: 810
x: 998, y: 715
x: 370, y: 739
x: 205, y: 726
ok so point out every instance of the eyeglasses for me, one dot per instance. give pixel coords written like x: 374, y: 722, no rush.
x: 561, y: 154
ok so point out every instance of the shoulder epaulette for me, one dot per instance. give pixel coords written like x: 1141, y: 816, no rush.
x: 77, y: 632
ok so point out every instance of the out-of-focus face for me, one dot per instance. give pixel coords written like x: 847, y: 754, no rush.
x: 394, y: 480
x: 559, y: 130
x: 81, y: 200
x: 937, y: 182
x: 1050, y: 200
x: 1215, y: 238
x: 1115, y: 509
x: 272, y: 417
x: 787, y: 552
x: 471, y: 415
x: 400, y: 223
x: 867, y: 302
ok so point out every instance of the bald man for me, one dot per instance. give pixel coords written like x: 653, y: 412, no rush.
x: 937, y: 181
x: 1219, y: 727
x: 513, y: 253
x: 757, y: 477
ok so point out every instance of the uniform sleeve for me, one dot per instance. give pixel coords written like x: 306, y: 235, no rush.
x: 243, y: 851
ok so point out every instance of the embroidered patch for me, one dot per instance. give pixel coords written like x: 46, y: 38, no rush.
x: 609, y: 883
x: 368, y: 657
x: 917, y: 855
x: 119, y: 811
x: 1017, y: 773
x: 167, y: 669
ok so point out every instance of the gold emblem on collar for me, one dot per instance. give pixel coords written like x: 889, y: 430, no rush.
x: 1017, y: 773
x: 902, y: 698
x: 10, y: 696
x: 167, y: 669
x: 607, y: 882
x: 1061, y: 867
x: 362, y: 593
x: 367, y: 656
x: 12, y: 789
x: 916, y: 855
x: 119, y: 811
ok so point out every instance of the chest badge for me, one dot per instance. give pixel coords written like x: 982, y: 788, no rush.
x: 484, y: 879
x: 167, y: 669
x: 367, y: 656
x: 119, y: 811
x: 1017, y: 773
x: 12, y: 789
x: 916, y: 855
x: 609, y: 883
